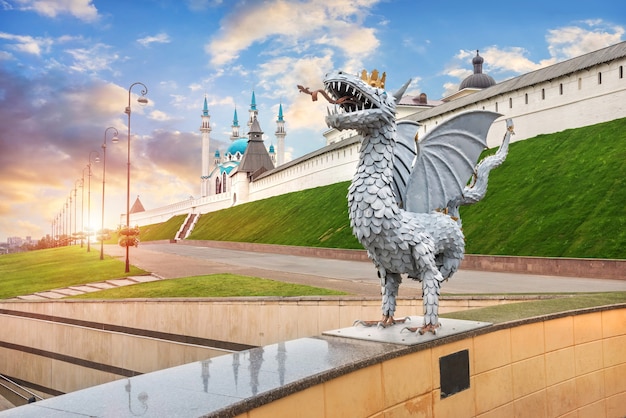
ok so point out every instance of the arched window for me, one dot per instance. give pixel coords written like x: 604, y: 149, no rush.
x: 561, y: 89
x: 526, y: 98
x: 510, y: 103
x: 218, y: 186
x: 496, y: 106
x: 599, y: 78
x: 224, y: 182
x: 580, y: 83
x: 621, y: 71
x: 543, y: 94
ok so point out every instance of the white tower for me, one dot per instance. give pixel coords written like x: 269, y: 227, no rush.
x: 235, y: 127
x: 205, y: 128
x: 280, y: 137
x: 254, y: 113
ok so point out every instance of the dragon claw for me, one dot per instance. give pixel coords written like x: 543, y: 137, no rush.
x: 434, y: 329
x: 385, y: 322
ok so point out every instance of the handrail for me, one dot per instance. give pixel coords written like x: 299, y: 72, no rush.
x: 19, y: 386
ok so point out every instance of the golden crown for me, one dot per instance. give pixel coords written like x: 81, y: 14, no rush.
x: 373, y: 79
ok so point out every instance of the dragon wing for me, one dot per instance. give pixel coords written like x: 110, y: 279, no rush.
x: 445, y: 161
x: 403, y: 157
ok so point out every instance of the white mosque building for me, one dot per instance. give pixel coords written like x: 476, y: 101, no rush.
x: 581, y: 91
x: 243, y: 155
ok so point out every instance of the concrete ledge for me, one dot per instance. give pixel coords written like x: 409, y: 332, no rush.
x: 596, y: 268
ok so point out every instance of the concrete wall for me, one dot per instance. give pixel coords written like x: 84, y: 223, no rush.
x: 66, y: 345
x: 569, y: 365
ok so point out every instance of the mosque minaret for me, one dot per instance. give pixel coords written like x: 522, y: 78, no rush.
x: 205, y: 129
x: 280, y: 137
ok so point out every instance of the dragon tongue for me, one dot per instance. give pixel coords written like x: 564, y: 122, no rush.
x: 346, y: 99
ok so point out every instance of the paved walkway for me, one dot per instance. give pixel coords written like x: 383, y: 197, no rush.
x: 356, y: 277
x: 170, y: 261
x: 86, y: 288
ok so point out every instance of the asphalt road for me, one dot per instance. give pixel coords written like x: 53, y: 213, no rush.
x: 356, y: 277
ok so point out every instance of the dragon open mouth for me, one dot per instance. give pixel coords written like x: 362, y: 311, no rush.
x: 347, y: 96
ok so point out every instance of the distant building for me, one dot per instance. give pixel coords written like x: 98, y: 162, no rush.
x: 244, y: 154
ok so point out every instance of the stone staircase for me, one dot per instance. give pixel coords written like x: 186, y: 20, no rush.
x: 187, y: 226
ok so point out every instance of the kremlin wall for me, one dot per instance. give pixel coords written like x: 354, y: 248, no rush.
x: 582, y: 91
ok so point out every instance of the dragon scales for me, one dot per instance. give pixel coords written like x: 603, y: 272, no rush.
x: 404, y: 192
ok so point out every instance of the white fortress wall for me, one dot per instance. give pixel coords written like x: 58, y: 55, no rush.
x: 567, y: 102
x: 319, y: 169
x: 333, y: 166
x: 162, y: 214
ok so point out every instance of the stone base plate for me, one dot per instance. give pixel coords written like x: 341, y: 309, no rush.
x: 396, y: 334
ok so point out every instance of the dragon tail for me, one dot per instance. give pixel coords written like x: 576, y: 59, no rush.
x: 477, y: 190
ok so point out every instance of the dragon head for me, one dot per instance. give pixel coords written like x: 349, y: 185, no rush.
x: 359, y: 105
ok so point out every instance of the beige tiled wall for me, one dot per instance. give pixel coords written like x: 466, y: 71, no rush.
x: 568, y: 366
x: 573, y: 366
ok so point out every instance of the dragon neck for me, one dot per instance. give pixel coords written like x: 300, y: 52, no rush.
x: 370, y: 197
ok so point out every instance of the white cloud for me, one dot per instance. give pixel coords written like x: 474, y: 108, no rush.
x: 572, y: 41
x: 28, y: 44
x: 93, y: 59
x: 512, y: 59
x: 280, y: 78
x: 159, y: 116
x: 301, y: 24
x: 161, y: 38
x: 80, y: 9
x: 562, y: 43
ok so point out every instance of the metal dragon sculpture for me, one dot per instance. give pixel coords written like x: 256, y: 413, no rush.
x: 404, y: 198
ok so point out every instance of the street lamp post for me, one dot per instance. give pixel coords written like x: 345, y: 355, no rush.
x: 141, y: 100
x: 75, y: 204
x: 104, y: 163
x: 89, y: 196
x: 69, y: 211
x: 64, y: 209
x: 82, y: 208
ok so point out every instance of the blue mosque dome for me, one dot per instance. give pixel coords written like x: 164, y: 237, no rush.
x: 237, y: 146
x: 271, y: 148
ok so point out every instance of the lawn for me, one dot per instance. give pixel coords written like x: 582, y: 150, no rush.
x: 38, y: 271
x: 41, y: 270
x: 213, y: 285
x: 519, y: 310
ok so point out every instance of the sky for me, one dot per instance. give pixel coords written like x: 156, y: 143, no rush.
x: 67, y: 66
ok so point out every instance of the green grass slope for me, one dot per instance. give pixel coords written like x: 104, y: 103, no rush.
x: 557, y: 195
x: 315, y: 218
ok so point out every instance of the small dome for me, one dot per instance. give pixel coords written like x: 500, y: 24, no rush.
x: 271, y: 149
x: 478, y: 80
x: 217, y: 153
x: 237, y: 146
